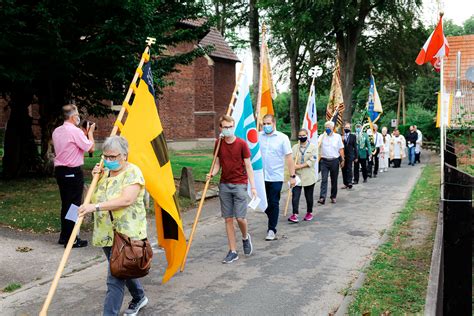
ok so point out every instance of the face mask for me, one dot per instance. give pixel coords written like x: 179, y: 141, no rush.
x: 268, y: 129
x: 347, y: 131
x: 303, y: 139
x: 328, y: 131
x: 228, y: 132
x: 358, y: 130
x: 78, y: 120
x: 112, y: 165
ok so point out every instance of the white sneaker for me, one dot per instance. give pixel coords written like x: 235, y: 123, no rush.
x: 270, y: 235
x: 381, y: 170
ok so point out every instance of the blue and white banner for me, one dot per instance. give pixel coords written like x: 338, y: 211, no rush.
x: 246, y: 129
x: 374, y: 106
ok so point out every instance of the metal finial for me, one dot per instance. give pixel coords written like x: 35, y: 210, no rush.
x: 150, y: 41
x: 315, y: 71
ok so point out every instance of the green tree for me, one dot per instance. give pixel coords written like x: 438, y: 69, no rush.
x: 296, y: 48
x: 53, y: 51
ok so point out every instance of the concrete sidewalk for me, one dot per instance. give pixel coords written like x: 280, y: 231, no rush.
x: 303, y: 272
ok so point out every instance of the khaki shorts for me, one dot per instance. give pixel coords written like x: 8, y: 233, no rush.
x: 233, y: 199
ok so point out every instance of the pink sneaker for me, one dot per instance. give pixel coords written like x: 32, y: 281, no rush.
x: 308, y: 217
x: 293, y: 218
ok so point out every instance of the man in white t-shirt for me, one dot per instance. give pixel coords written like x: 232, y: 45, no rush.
x: 332, y: 155
x: 276, y: 150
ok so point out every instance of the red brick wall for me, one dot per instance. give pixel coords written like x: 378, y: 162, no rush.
x: 224, y: 84
x: 176, y: 104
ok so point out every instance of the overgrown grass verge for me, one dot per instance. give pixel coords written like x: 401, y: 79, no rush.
x: 398, y: 275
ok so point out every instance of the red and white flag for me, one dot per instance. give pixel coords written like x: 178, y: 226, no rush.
x: 435, y: 48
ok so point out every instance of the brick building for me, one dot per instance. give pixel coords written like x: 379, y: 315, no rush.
x: 189, y: 108
x: 463, y: 105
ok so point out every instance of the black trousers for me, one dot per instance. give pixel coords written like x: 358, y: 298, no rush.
x: 308, y: 194
x: 71, y: 186
x: 347, y: 172
x: 396, y: 163
x: 273, y: 190
x: 363, y: 165
x: 329, y: 167
x: 417, y: 157
x: 374, y: 163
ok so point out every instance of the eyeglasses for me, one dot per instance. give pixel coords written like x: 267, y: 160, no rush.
x: 110, y: 157
x: 267, y: 123
x: 227, y: 127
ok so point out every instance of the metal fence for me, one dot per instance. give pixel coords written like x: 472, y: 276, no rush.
x: 450, y: 283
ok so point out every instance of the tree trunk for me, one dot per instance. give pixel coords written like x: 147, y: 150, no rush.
x: 21, y: 155
x: 347, y: 53
x: 294, y: 103
x: 254, y: 31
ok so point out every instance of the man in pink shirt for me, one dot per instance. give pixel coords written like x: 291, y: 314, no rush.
x: 70, y: 144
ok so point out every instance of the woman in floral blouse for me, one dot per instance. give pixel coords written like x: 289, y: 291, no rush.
x: 120, y: 190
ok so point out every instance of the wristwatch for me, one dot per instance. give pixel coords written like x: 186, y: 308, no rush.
x: 293, y: 176
x: 97, y: 207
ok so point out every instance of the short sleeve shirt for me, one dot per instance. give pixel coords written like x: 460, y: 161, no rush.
x: 130, y: 220
x: 70, y: 143
x: 231, y: 157
x: 274, y: 148
x: 330, y: 145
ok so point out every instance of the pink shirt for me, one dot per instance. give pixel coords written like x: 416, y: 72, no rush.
x: 70, y: 143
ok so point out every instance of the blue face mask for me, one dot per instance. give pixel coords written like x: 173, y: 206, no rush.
x: 358, y: 130
x: 112, y: 165
x: 328, y: 131
x: 268, y: 129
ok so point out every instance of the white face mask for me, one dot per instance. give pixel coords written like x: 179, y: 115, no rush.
x: 228, y: 132
x: 78, y: 120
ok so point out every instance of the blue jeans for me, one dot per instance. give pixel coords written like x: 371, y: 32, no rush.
x: 273, y: 190
x: 411, y: 155
x: 116, y: 288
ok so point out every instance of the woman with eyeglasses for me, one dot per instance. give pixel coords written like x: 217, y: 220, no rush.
x: 120, y: 190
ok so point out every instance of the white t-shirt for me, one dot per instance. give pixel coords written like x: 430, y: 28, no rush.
x: 274, y: 148
x: 330, y: 145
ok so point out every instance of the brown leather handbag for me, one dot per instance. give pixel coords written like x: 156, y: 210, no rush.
x: 129, y: 259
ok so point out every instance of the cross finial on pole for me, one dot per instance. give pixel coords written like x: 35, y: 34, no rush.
x: 150, y: 41
x: 315, y: 71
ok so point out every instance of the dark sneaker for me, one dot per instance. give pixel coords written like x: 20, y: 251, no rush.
x: 321, y: 201
x: 248, y: 247
x: 78, y: 243
x: 134, y: 307
x: 333, y: 200
x: 231, y: 257
x: 62, y: 241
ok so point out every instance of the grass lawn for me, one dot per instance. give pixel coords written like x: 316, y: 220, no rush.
x: 398, y: 276
x: 31, y: 204
x: 34, y: 204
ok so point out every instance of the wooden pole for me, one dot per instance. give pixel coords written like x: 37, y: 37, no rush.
x: 259, y: 97
x: 206, y: 186
x: 95, y: 179
x: 403, y: 105
x: 399, y: 104
x: 290, y: 189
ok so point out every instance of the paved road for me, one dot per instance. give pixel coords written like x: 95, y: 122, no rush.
x: 304, y: 272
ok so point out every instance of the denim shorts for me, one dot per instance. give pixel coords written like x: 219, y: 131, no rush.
x: 233, y: 199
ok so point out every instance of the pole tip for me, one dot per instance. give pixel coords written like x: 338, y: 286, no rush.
x: 441, y: 13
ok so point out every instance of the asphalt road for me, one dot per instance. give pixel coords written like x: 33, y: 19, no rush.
x: 304, y: 272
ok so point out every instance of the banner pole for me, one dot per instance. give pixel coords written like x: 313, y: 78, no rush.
x: 206, y: 186
x: 259, y: 97
x: 95, y: 179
